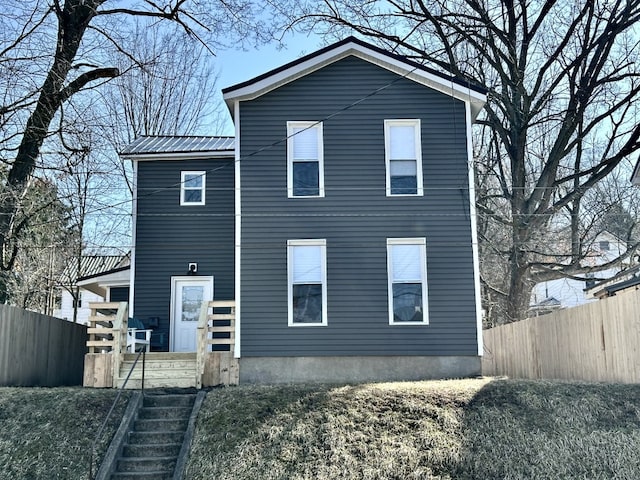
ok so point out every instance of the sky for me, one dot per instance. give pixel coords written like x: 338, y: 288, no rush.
x: 237, y: 66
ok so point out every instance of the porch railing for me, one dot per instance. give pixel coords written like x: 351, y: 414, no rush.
x: 108, y: 332
x: 216, y: 328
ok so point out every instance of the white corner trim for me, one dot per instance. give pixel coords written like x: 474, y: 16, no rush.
x: 134, y: 220
x: 238, y: 229
x: 474, y: 230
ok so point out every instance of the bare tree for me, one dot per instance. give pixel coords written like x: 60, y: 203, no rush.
x: 561, y: 112
x: 170, y: 89
x: 54, y: 51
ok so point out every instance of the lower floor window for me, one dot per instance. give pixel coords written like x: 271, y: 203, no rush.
x: 307, y: 282
x: 407, y: 274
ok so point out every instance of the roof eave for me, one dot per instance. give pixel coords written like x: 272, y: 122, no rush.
x: 177, y: 155
x: 276, y: 78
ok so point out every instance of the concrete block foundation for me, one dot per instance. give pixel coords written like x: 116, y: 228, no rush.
x: 270, y: 370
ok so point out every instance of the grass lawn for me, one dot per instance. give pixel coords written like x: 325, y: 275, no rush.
x: 46, y: 433
x: 467, y: 429
x: 458, y: 429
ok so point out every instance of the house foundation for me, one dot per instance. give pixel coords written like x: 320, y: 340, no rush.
x: 356, y: 369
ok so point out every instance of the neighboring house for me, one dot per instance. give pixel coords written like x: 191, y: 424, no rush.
x: 568, y: 292
x: 626, y: 279
x: 340, y: 218
x: 92, y: 266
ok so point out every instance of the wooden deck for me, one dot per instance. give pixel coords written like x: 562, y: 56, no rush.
x: 107, y: 364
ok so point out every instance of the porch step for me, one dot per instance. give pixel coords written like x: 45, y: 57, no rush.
x: 152, y: 448
x: 162, y: 370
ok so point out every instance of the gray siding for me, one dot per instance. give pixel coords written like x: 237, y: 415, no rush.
x: 355, y: 217
x: 169, y: 236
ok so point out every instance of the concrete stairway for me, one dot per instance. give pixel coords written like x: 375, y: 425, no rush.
x: 162, y: 370
x: 152, y: 447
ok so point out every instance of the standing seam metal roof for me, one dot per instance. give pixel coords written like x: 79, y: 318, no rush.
x: 178, y: 144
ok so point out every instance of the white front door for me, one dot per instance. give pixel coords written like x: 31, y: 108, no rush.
x: 187, y: 295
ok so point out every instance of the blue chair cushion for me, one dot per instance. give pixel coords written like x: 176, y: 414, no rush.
x: 136, y: 323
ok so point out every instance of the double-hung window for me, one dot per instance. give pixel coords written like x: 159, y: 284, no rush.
x: 407, y: 272
x: 307, y: 282
x: 305, y: 162
x: 192, y: 188
x: 403, y: 157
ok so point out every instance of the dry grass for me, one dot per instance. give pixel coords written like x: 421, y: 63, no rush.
x: 46, y: 433
x: 468, y: 429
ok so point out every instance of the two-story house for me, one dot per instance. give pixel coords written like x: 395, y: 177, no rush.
x: 340, y: 218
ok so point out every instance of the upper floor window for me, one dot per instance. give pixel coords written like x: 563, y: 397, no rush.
x: 407, y: 271
x: 307, y: 282
x: 403, y: 157
x: 192, y: 188
x: 305, y: 162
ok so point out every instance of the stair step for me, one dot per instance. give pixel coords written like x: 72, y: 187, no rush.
x: 152, y: 450
x: 167, y: 382
x: 159, y: 365
x: 156, y: 437
x: 130, y: 357
x: 155, y: 475
x: 147, y: 413
x: 147, y: 464
x: 165, y: 425
x: 152, y: 400
x: 171, y: 372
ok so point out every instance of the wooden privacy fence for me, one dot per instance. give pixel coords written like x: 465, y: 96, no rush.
x: 599, y: 341
x: 38, y: 350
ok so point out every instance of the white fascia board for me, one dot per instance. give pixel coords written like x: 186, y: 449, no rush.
x: 116, y: 278
x: 142, y: 157
x: 255, y: 90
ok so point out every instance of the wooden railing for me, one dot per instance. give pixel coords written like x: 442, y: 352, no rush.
x: 221, y: 365
x: 107, y: 334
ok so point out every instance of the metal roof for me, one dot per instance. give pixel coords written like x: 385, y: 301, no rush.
x: 91, y: 265
x: 175, y: 144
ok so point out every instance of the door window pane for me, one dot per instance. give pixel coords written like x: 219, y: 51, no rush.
x: 192, y: 297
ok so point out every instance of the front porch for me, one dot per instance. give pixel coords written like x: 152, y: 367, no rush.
x: 113, y: 351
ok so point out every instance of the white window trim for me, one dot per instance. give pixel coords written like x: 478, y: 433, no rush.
x: 415, y: 123
x: 183, y: 188
x: 323, y: 269
x: 307, y: 125
x: 422, y: 242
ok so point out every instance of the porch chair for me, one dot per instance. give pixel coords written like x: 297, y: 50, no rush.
x: 137, y: 335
